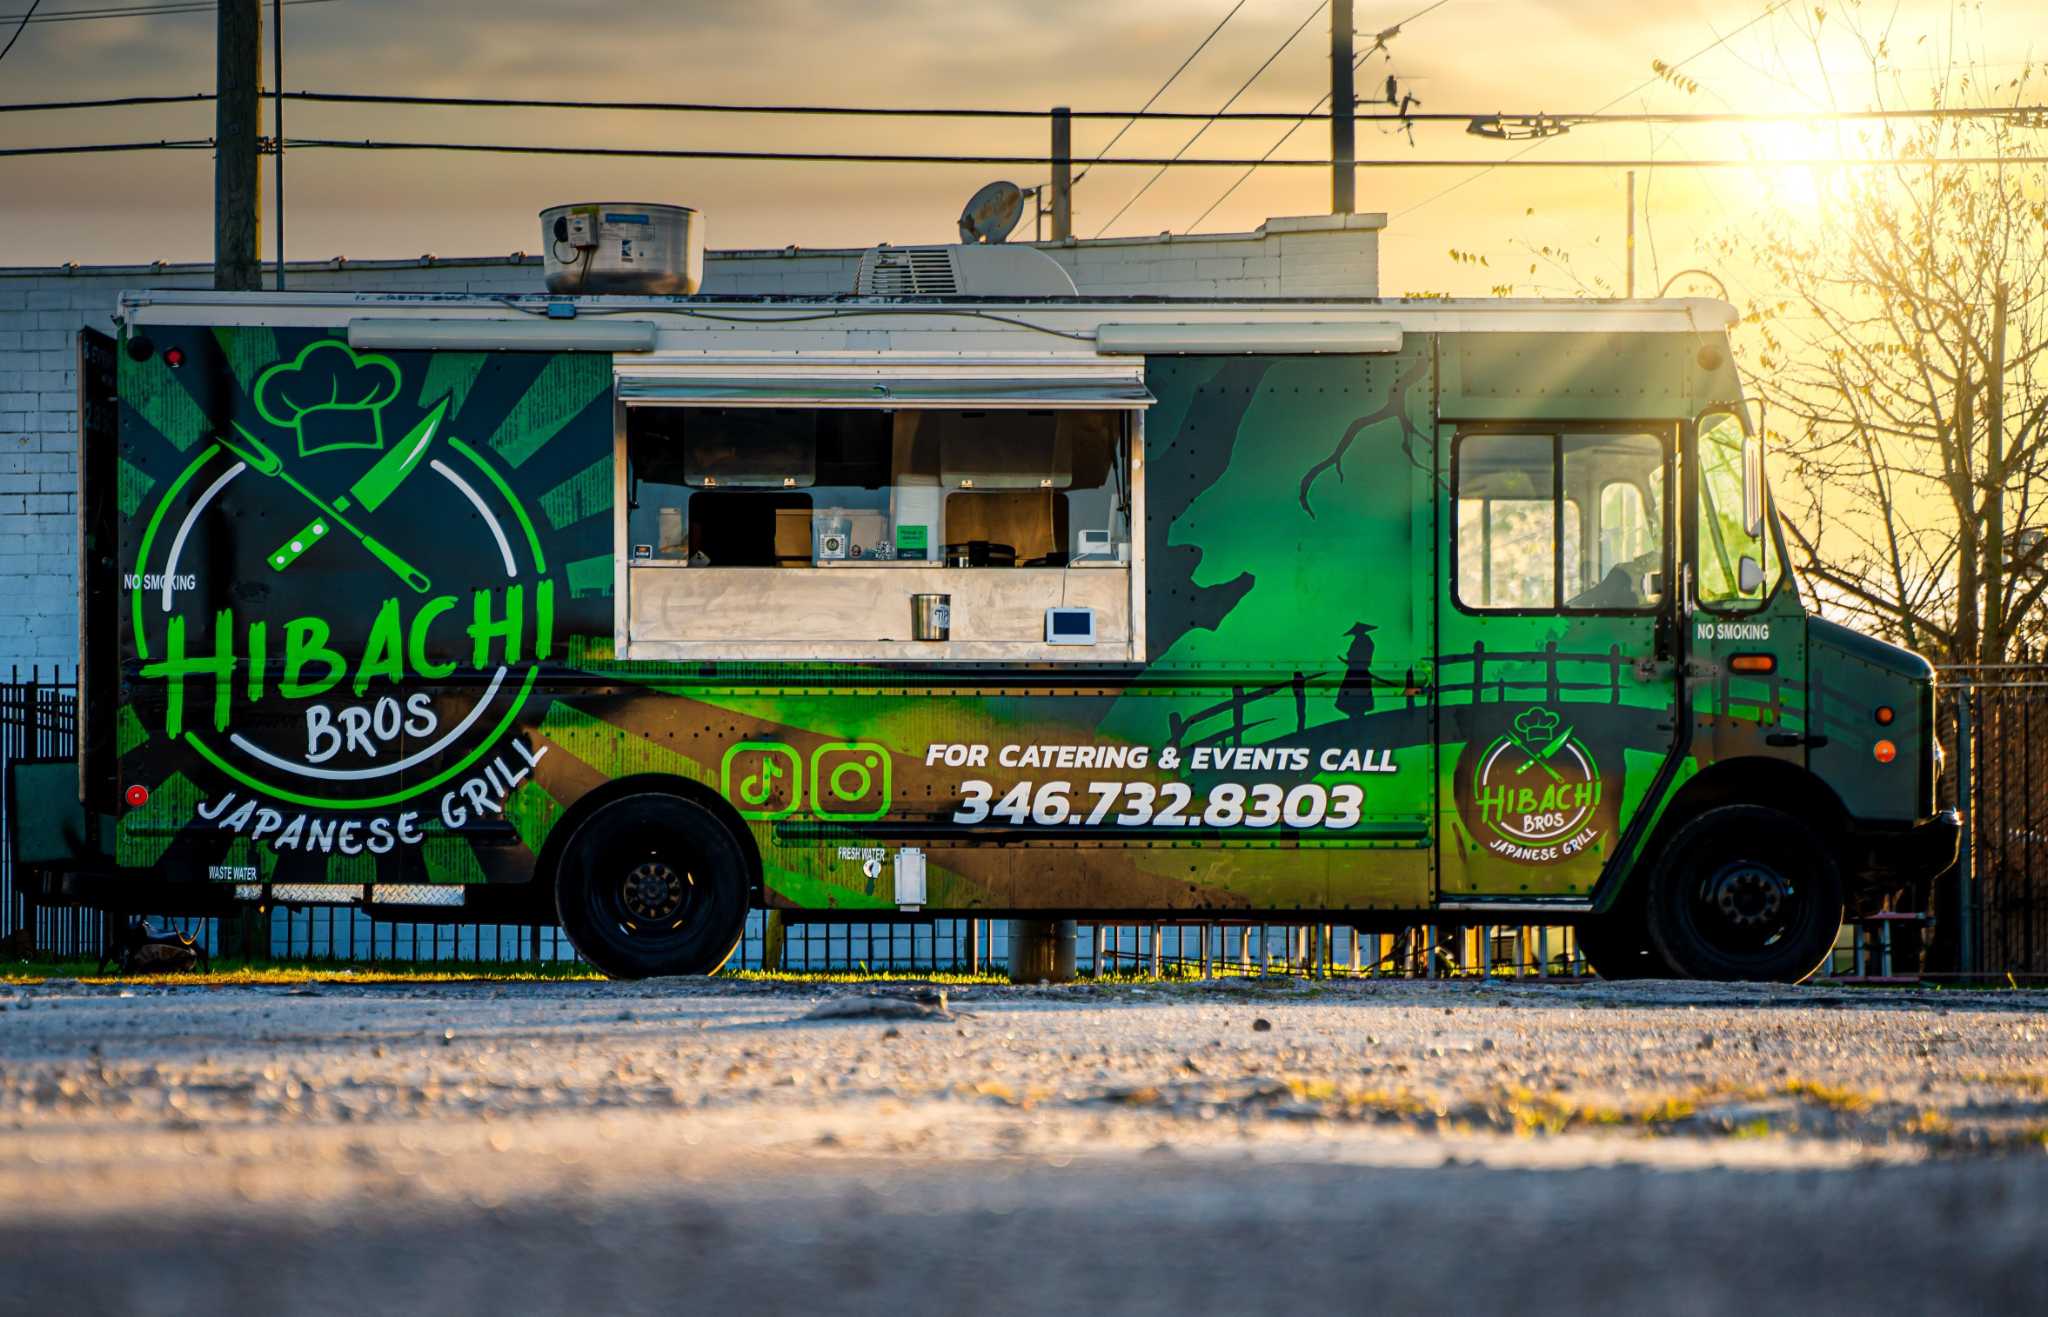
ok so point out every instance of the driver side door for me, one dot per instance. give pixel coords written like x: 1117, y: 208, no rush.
x: 1557, y: 690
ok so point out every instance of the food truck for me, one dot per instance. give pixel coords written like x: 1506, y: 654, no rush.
x: 640, y: 612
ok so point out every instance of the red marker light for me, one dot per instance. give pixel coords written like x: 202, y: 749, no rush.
x: 174, y: 357
x: 1885, y: 752
x: 1884, y: 715
x: 137, y: 795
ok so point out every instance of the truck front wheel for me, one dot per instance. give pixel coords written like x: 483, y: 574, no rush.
x: 653, y: 884
x: 1745, y: 892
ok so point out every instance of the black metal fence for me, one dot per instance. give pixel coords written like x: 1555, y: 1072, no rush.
x: 1996, y: 730
x: 1988, y: 916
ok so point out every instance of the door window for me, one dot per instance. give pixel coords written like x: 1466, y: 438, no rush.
x: 1560, y: 522
x: 1737, y: 568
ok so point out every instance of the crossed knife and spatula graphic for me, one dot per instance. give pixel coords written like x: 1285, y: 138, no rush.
x: 368, y: 493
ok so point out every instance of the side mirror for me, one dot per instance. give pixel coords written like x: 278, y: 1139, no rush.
x: 1749, y: 575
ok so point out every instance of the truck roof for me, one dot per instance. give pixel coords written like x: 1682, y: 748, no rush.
x: 1093, y: 335
x: 1413, y: 315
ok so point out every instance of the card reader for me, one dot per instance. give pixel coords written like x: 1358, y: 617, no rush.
x: 1069, y: 626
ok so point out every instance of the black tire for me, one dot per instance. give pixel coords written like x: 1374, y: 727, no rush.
x: 651, y: 885
x: 1744, y: 892
x: 1617, y: 944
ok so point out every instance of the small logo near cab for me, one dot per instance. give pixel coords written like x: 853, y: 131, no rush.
x: 1537, y: 789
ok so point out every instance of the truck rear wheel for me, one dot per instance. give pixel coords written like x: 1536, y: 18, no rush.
x: 1745, y: 892
x: 653, y: 884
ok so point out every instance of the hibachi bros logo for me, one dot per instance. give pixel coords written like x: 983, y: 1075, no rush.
x: 316, y: 690
x: 1537, y: 788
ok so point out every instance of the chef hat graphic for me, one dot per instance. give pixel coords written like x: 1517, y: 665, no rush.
x: 1536, y: 726
x: 330, y: 396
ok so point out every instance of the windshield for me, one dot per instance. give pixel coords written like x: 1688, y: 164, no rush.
x: 1737, y: 564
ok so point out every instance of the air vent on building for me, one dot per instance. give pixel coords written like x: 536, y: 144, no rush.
x: 961, y: 270
x: 907, y: 272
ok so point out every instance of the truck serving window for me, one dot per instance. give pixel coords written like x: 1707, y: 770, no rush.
x: 791, y: 487
x: 845, y: 532
x: 1560, y: 522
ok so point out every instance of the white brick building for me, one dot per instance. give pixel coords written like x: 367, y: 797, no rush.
x: 42, y: 310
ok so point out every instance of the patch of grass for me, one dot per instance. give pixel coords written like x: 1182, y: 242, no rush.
x: 1928, y: 1122
x: 226, y: 973
x: 1755, y: 1129
x: 947, y: 977
x: 1667, y: 1111
x: 2022, y: 1079
x: 1831, y: 1096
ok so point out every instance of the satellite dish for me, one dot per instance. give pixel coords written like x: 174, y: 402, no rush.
x: 991, y: 213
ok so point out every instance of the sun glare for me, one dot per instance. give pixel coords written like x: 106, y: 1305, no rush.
x: 1787, y: 178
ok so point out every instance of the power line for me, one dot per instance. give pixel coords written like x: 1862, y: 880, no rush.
x: 1146, y: 162
x: 20, y: 28
x: 1154, y: 97
x: 99, y: 148
x: 1242, y: 87
x: 1295, y: 119
x: 110, y: 102
x: 1711, y: 46
x: 1379, y: 44
x: 1212, y: 162
x: 128, y: 11
x: 733, y: 107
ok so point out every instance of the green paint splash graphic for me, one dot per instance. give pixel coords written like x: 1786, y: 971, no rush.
x: 451, y: 375
x: 158, y: 397
x: 248, y: 348
x: 147, y: 832
x: 449, y: 858
x: 133, y: 487
x: 567, y: 384
x: 584, y: 494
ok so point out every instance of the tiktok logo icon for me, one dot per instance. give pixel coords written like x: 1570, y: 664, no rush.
x: 762, y: 779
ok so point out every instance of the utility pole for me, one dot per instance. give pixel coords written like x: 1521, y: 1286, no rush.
x: 1992, y: 646
x: 1062, y: 173
x: 1631, y: 233
x: 277, y: 127
x: 1343, y: 112
x: 238, y: 64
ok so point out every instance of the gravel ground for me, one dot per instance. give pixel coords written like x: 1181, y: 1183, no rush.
x: 671, y: 1147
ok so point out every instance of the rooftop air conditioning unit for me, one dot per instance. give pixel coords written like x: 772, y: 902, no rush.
x: 961, y: 270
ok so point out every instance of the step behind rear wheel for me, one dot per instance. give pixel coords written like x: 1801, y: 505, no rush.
x: 1745, y: 892
x: 653, y: 884
x: 1617, y: 944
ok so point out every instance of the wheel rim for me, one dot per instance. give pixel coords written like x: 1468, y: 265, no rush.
x: 1746, y: 907
x: 653, y: 897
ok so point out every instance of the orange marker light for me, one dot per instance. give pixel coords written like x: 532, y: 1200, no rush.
x: 1760, y: 664
x: 1884, y: 715
x: 1885, y: 752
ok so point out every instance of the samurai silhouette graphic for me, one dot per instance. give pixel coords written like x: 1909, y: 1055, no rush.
x: 1354, y: 693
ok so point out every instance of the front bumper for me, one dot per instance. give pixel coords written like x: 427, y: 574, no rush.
x: 1893, y: 855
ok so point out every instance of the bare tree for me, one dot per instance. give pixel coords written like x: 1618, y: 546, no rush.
x: 1901, y: 356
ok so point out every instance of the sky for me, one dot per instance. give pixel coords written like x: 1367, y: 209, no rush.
x: 1467, y: 56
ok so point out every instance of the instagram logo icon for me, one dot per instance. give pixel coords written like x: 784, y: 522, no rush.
x: 850, y: 781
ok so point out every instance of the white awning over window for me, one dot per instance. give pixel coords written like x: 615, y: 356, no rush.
x: 869, y: 386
